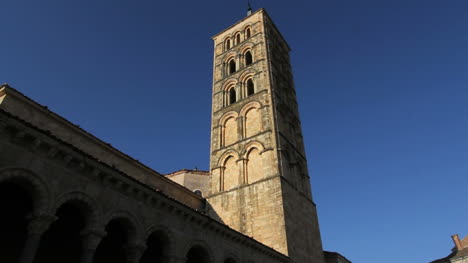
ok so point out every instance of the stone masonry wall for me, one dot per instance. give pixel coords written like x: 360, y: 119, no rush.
x: 255, y: 210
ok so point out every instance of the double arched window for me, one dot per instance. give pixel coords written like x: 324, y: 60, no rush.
x: 237, y: 38
x: 232, y: 94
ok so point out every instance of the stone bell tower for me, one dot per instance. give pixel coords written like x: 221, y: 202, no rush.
x: 259, y: 180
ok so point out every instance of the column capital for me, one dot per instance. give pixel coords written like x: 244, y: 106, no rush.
x: 92, y: 238
x: 39, y: 223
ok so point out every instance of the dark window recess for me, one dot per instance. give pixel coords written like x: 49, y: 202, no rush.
x: 247, y: 33
x: 228, y: 44
x: 248, y: 58
x: 250, y: 87
x: 238, y: 39
x: 232, y: 96
x: 232, y: 66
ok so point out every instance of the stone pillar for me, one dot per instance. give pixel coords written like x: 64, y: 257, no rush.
x: 245, y: 177
x: 239, y: 92
x: 241, y: 132
x: 37, y: 226
x: 135, y: 252
x: 225, y: 69
x: 91, y: 240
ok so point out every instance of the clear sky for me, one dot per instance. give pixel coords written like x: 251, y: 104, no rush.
x: 382, y: 90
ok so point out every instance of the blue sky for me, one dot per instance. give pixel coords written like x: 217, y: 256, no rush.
x: 382, y: 90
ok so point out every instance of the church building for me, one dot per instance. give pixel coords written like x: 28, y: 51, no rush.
x: 67, y: 196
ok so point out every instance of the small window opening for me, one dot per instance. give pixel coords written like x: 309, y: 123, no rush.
x: 247, y: 33
x: 250, y: 87
x: 232, y: 96
x: 238, y: 38
x: 248, y: 58
x: 232, y: 66
x: 228, y: 44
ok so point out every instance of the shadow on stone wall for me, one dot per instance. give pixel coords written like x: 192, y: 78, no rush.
x: 209, y: 211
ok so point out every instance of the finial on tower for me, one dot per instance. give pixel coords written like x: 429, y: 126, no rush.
x: 249, y: 9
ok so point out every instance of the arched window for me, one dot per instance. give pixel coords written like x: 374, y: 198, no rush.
x: 250, y: 87
x: 232, y: 96
x: 255, y: 170
x: 238, y: 40
x: 229, y: 132
x: 230, y: 174
x: 197, y: 254
x: 248, y: 58
x: 247, y: 32
x: 157, y: 248
x: 228, y: 44
x: 252, y: 122
x: 232, y: 66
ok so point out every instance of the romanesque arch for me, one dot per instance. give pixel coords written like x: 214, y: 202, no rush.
x: 88, y: 205
x: 63, y: 240
x: 237, y: 37
x: 123, y: 236
x: 227, y: 43
x: 129, y: 220
x: 230, y: 257
x: 246, y: 75
x: 32, y: 183
x: 250, y: 145
x: 159, y: 245
x: 247, y: 31
x: 252, y: 119
x: 230, y: 173
x: 255, y: 165
x: 198, y: 252
x: 228, y: 124
x: 247, y: 54
x: 230, y: 63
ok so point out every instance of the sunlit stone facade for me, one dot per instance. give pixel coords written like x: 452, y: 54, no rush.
x: 259, y: 180
x: 67, y: 196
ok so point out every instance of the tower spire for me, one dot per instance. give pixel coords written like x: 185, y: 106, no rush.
x: 249, y: 8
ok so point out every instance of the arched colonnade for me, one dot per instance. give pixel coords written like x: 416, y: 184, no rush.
x: 38, y: 227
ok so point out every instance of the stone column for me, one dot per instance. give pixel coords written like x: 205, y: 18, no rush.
x: 238, y: 62
x: 37, y: 226
x: 245, y: 178
x: 224, y: 70
x: 91, y: 240
x: 240, y: 128
x: 135, y: 252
